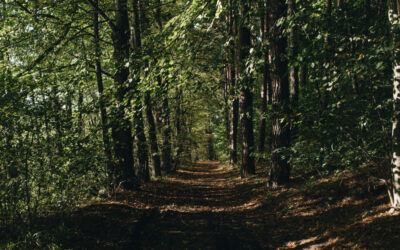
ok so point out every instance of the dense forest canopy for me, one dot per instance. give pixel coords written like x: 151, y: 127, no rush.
x: 98, y: 96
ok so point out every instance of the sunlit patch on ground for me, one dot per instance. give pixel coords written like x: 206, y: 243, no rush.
x: 206, y: 206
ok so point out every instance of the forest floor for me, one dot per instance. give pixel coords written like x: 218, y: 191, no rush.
x: 208, y: 206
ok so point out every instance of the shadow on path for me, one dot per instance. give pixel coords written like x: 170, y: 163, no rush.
x: 207, y: 206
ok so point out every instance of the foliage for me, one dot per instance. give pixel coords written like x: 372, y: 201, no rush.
x: 53, y: 155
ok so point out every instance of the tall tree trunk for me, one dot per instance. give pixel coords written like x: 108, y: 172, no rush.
x: 232, y: 98
x: 166, y: 157
x: 68, y: 110
x: 246, y: 96
x: 166, y: 149
x: 155, y: 154
x: 279, y: 172
x: 294, y: 79
x: 266, y: 81
x: 233, y: 129
x: 293, y: 71
x: 136, y: 44
x: 210, y: 143
x: 227, y: 104
x: 100, y: 88
x: 142, y: 152
x: 178, y: 126
x: 394, y: 193
x: 303, y: 65
x: 144, y: 171
x: 328, y: 13
x: 121, y: 126
x: 58, y: 122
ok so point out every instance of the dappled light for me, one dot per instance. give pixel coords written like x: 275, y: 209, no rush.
x: 210, y: 207
x: 199, y: 124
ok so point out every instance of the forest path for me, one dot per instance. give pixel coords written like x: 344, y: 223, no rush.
x: 208, y: 206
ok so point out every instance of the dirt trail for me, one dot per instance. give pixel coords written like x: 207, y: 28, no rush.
x: 207, y: 206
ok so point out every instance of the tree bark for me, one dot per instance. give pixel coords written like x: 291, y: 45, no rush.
x: 166, y: 149
x: 293, y: 71
x: 328, y: 13
x: 155, y: 154
x: 232, y: 98
x: 210, y: 143
x: 178, y: 125
x: 121, y: 127
x: 394, y: 193
x: 280, y: 168
x: 294, y: 79
x: 136, y: 44
x: 266, y: 80
x: 246, y: 96
x: 166, y: 157
x: 100, y: 88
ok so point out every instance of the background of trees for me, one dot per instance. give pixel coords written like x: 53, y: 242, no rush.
x: 97, y: 95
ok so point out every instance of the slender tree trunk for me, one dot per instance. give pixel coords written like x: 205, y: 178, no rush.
x: 136, y: 44
x: 166, y: 158
x: 121, y: 126
x: 303, y: 65
x: 100, y: 88
x: 144, y: 171
x: 166, y: 149
x: 293, y: 71
x: 294, y: 79
x: 246, y: 96
x: 266, y: 81
x: 69, y: 121
x: 227, y: 104
x: 142, y: 152
x: 233, y: 100
x: 233, y: 129
x: 58, y: 122
x: 279, y: 172
x: 394, y: 193
x: 178, y: 125
x: 210, y: 143
x: 155, y: 154
x: 328, y: 14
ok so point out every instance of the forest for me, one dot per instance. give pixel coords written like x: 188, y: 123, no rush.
x: 199, y: 124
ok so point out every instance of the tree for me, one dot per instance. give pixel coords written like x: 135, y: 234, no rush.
x: 266, y: 81
x: 233, y: 101
x: 155, y: 155
x: 293, y: 69
x: 136, y: 54
x: 394, y: 193
x: 279, y: 172
x: 246, y: 95
x: 121, y: 126
x: 100, y: 88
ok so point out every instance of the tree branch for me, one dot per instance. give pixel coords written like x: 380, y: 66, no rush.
x: 48, y: 50
x: 104, y: 15
x: 34, y: 14
x: 102, y: 71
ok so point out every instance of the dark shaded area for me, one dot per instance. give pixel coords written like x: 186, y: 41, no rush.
x: 207, y: 206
